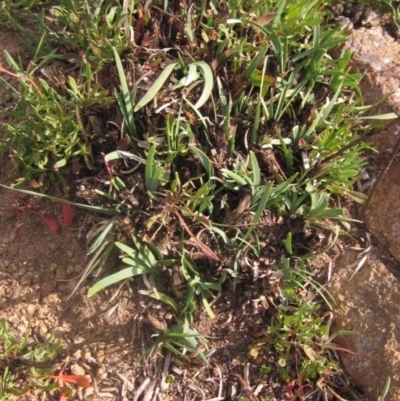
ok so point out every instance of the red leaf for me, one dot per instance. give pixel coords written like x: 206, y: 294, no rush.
x: 123, y: 144
x: 50, y: 223
x: 77, y: 380
x: 67, y: 213
x: 63, y: 397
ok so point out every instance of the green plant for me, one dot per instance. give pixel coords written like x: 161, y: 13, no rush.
x: 302, y: 338
x: 385, y: 390
x: 179, y: 339
x: 25, y: 365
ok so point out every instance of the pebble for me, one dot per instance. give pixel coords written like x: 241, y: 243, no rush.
x: 77, y: 370
x: 70, y: 270
x: 12, y: 235
x: 22, y: 328
x: 42, y: 329
x: 53, y: 267
x: 61, y: 274
x: 100, y: 355
x: 52, y: 246
x: 27, y: 279
x: 88, y: 392
x: 30, y: 309
x: 88, y: 355
x: 42, y: 313
x: 77, y: 354
x: 101, y: 373
x: 52, y: 298
x: 21, y: 271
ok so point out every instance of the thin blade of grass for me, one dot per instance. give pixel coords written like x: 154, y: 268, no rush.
x: 115, y: 278
x: 155, y: 88
x: 127, y: 100
x: 205, y: 161
x: 208, y: 83
x: 97, y: 209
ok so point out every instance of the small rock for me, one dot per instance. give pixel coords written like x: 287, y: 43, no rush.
x: 30, y: 309
x: 370, y: 18
x: 77, y: 370
x: 87, y: 355
x: 77, y: 354
x: 88, y: 392
x: 100, y: 355
x: 52, y: 246
x: 42, y: 313
x: 27, y: 279
x: 61, y: 273
x: 53, y: 267
x: 42, y: 329
x: 337, y: 9
x: 78, y: 268
x: 22, y: 328
x: 101, y: 373
x: 12, y: 235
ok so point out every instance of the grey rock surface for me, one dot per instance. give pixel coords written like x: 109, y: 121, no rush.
x: 369, y: 306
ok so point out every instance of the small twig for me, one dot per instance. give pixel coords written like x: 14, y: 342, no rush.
x: 389, y: 163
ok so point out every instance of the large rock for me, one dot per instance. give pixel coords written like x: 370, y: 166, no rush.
x: 383, y: 214
x: 377, y: 55
x: 368, y: 304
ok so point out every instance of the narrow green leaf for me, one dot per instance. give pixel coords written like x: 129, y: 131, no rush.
x: 385, y: 390
x: 288, y: 243
x: 207, y: 306
x: 166, y: 299
x: 97, y: 209
x: 114, y: 278
x: 255, y: 169
x: 155, y: 88
x: 126, y: 249
x: 97, y: 261
x: 208, y: 83
x: 233, y: 176
x: 120, y: 154
x: 101, y: 238
x: 387, y: 116
x: 255, y: 62
x: 205, y: 161
x: 149, y: 171
x: 127, y: 101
